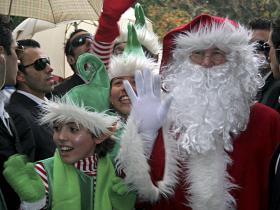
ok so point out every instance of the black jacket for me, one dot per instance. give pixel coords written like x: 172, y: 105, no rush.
x: 66, y: 85
x: 274, y: 182
x: 270, y: 93
x: 25, y: 113
x: 10, y: 145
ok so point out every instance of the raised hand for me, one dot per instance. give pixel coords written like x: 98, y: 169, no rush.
x: 115, y: 8
x: 111, y: 12
x: 148, y: 109
x: 21, y: 175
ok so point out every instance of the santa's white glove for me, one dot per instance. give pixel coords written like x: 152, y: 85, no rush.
x: 148, y: 110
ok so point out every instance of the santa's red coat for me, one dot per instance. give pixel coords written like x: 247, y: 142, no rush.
x: 251, y: 157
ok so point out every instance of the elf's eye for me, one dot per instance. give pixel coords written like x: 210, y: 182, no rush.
x: 56, y: 127
x: 74, y: 129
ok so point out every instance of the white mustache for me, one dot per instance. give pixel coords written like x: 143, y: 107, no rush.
x: 210, y: 105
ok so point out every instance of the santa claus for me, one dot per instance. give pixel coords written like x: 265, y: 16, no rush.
x: 214, y: 142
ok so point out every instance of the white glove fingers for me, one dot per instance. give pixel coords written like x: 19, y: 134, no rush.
x: 157, y: 85
x: 139, y: 82
x: 164, y: 108
x: 148, y: 82
x: 130, y: 92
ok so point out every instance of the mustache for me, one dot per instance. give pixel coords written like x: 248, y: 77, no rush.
x: 209, y: 107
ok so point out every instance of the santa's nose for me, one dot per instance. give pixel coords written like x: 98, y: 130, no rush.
x: 207, y: 62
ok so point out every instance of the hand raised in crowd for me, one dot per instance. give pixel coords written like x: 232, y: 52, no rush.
x: 148, y: 109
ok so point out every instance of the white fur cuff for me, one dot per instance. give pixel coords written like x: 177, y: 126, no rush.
x: 33, y: 206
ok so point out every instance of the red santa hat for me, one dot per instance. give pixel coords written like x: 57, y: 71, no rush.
x: 203, y: 32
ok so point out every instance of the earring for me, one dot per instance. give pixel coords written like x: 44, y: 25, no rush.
x: 2, y: 70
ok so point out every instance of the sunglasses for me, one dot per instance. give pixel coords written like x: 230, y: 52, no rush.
x: 79, y: 41
x: 262, y: 46
x: 19, y: 49
x: 40, y: 64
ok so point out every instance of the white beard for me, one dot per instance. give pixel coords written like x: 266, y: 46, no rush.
x: 210, y: 105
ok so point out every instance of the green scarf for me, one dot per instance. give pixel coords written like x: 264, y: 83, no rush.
x: 66, y: 188
x: 67, y: 192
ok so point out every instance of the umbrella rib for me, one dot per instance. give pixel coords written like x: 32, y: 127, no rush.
x: 96, y: 11
x: 10, y: 8
x: 54, y: 20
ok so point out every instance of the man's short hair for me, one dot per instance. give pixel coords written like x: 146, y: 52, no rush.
x: 28, y: 43
x: 6, y: 37
x: 260, y: 23
x: 67, y: 50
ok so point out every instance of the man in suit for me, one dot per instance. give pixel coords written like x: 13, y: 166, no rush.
x: 269, y: 92
x: 79, y: 42
x: 271, y: 95
x: 9, y: 141
x: 34, y: 80
x: 274, y: 173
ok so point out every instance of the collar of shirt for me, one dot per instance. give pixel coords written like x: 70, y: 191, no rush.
x: 267, y: 75
x: 3, y: 100
x: 39, y: 101
x: 3, y: 114
x: 88, y: 165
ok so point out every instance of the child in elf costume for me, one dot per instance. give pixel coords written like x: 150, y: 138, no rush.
x: 80, y: 175
x: 138, y: 48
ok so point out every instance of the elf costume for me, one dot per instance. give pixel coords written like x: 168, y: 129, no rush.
x: 147, y: 38
x: 133, y: 57
x: 64, y: 186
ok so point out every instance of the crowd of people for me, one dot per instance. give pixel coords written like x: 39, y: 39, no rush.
x: 201, y: 131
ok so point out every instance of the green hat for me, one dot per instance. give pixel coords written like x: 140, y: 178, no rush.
x: 132, y: 59
x: 146, y: 37
x: 84, y: 104
x: 139, y: 16
x: 133, y: 46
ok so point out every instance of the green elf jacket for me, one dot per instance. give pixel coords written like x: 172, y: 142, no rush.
x: 71, y: 189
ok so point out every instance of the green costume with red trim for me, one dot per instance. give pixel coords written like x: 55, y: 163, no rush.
x: 68, y: 187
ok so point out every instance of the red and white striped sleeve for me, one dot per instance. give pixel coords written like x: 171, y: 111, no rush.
x: 40, y: 169
x: 103, y: 50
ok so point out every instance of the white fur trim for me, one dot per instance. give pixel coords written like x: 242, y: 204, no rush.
x: 209, y: 181
x: 133, y: 162
x: 33, y: 206
x: 66, y: 110
x: 224, y: 36
x: 127, y: 65
x: 147, y: 38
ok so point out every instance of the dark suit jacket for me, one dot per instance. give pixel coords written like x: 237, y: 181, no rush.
x: 67, y: 85
x: 10, y: 145
x: 274, y: 182
x: 270, y: 93
x: 24, y: 112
